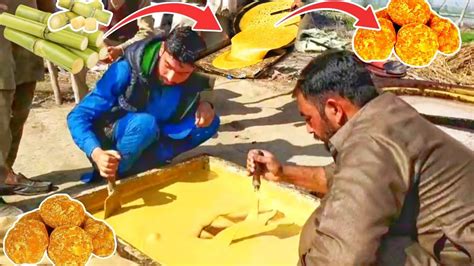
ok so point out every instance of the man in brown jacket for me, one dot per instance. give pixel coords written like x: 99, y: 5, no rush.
x: 401, y: 191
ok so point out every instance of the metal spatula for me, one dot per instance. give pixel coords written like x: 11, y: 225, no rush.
x: 112, y: 203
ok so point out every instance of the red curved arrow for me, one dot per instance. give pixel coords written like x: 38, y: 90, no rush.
x: 205, y: 19
x: 365, y: 17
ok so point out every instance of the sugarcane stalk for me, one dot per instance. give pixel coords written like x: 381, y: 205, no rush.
x: 431, y: 93
x: 32, y: 14
x: 96, y: 39
x: 40, y: 30
x: 90, y: 25
x: 45, y: 49
x: 89, y: 56
x: 86, y: 10
x: 102, y: 51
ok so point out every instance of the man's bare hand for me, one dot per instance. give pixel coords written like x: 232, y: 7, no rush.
x: 296, y: 4
x: 204, y: 114
x: 3, y: 8
x: 272, y: 169
x: 114, y: 53
x: 107, y: 162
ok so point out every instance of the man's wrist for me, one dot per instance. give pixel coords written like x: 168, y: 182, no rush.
x: 94, y: 153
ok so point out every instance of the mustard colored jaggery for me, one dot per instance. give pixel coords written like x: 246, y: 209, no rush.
x: 416, y: 45
x: 61, y: 210
x: 26, y: 242
x: 375, y: 45
x: 103, y: 238
x: 69, y: 245
x: 403, y: 12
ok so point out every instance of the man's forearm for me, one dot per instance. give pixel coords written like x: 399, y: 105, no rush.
x: 312, y: 178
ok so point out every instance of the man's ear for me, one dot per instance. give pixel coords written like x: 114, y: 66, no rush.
x: 334, y: 111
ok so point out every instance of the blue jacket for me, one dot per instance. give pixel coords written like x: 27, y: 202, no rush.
x: 162, y: 104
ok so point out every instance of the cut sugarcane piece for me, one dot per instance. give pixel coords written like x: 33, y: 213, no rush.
x: 102, y: 51
x: 89, y: 56
x: 41, y: 31
x: 77, y: 23
x: 87, y: 10
x: 32, y: 14
x: 47, y: 50
x: 97, y: 4
x: 90, y: 25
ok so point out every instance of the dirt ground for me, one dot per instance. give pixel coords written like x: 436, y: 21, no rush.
x: 254, y: 114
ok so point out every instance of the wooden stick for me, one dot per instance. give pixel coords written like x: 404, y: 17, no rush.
x: 53, y: 75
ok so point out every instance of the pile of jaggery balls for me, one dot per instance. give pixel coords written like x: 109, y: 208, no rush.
x: 416, y: 32
x: 64, y: 229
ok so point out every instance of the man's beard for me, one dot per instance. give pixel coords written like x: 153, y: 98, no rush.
x: 328, y: 131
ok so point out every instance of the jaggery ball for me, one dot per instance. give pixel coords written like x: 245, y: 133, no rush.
x: 448, y: 34
x: 382, y: 13
x: 404, y: 12
x: 26, y: 242
x: 103, y: 238
x: 34, y: 215
x: 416, y: 45
x: 69, y: 245
x: 61, y: 210
x: 375, y: 44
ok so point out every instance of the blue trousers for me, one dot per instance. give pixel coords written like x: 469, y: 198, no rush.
x: 137, y: 138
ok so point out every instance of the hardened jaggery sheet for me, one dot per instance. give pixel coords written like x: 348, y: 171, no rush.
x: 252, y: 71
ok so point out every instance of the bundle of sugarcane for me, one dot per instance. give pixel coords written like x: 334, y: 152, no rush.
x: 39, y: 30
x: 92, y: 10
x: 91, y: 55
x: 46, y: 49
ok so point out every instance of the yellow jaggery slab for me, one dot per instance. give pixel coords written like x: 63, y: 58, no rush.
x: 375, y: 45
x: 26, y: 242
x: 103, y: 238
x: 250, y: 46
x: 416, y: 45
x: 61, y: 210
x: 258, y: 36
x: 404, y: 12
x: 69, y: 245
x: 260, y: 15
x: 165, y: 222
x: 448, y: 34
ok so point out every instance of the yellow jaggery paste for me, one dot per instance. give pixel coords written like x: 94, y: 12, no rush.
x: 404, y: 12
x: 448, y: 34
x: 416, y: 45
x: 27, y: 242
x: 258, y: 36
x: 202, y: 218
x: 375, y: 45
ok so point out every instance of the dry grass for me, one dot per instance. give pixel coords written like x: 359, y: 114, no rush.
x: 458, y: 69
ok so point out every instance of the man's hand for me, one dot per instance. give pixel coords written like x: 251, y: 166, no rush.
x: 3, y: 8
x: 107, y: 162
x: 204, y: 114
x: 296, y: 4
x: 114, y: 53
x: 273, y: 168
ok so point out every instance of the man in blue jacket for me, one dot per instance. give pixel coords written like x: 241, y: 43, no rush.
x: 146, y: 109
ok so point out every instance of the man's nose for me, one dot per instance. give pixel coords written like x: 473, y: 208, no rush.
x: 170, y: 75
